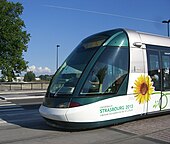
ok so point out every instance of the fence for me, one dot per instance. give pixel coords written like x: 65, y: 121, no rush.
x: 9, y: 86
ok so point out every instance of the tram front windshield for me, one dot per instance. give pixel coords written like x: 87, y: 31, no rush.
x: 109, y: 66
x: 66, y: 78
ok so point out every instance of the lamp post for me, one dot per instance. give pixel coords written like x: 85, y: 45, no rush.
x: 167, y: 22
x: 57, y: 57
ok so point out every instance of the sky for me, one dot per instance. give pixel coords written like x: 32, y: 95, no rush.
x: 67, y: 22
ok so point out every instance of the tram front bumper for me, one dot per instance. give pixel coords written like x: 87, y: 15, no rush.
x: 56, y: 114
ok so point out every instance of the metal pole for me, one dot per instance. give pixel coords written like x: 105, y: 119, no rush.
x: 167, y: 22
x: 57, y: 57
x: 168, y: 27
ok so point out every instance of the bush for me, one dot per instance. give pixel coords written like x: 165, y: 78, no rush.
x: 29, y: 76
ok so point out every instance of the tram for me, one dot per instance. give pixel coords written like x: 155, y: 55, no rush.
x: 111, y: 77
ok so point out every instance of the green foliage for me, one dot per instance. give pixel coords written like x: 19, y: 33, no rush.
x: 29, y: 76
x: 13, y: 39
x: 45, y: 77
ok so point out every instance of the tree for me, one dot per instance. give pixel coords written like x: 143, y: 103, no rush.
x: 29, y: 76
x: 45, y: 77
x: 13, y: 39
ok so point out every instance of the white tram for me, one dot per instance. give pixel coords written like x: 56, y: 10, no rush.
x: 110, y: 77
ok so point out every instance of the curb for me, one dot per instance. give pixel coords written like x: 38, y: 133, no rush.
x: 26, y: 97
x: 21, y: 92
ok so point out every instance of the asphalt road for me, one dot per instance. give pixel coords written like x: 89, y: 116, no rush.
x: 20, y: 122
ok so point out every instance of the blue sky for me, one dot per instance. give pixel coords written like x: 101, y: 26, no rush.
x: 67, y: 22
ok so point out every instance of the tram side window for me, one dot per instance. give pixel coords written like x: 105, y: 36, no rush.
x: 154, y: 69
x: 108, y: 73
x: 166, y: 70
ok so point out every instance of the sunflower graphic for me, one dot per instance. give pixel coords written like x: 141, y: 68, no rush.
x: 143, y: 89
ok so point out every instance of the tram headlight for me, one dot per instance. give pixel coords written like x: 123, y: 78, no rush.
x: 74, y: 104
x: 68, y: 105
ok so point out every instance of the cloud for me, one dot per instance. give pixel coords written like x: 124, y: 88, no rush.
x: 39, y: 70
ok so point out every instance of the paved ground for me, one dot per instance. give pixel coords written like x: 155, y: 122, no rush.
x: 156, y: 128
x: 20, y: 122
x: 26, y: 126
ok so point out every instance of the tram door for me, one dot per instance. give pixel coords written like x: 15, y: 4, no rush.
x: 159, y: 71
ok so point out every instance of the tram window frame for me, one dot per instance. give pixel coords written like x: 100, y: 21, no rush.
x: 161, y: 52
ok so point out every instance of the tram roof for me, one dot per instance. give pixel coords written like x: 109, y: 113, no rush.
x: 147, y: 38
